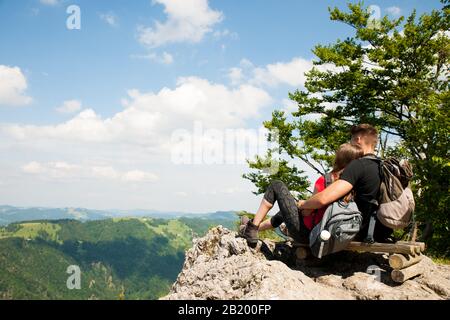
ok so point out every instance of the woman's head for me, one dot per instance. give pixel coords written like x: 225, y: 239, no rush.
x: 345, y: 154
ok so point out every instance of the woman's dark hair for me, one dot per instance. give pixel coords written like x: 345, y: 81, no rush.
x: 345, y: 154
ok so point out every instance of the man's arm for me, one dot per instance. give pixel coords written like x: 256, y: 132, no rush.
x: 307, y: 212
x: 334, y: 192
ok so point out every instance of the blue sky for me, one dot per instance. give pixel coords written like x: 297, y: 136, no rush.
x: 87, y: 116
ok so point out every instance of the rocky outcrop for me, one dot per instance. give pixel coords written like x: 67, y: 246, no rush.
x: 222, y: 266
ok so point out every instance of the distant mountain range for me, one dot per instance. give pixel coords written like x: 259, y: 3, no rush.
x: 10, y: 214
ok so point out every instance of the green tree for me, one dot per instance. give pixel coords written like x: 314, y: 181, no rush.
x: 391, y: 73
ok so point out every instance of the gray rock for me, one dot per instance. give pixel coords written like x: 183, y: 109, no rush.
x: 222, y: 266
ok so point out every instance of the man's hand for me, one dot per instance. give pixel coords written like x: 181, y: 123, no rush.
x: 304, y: 212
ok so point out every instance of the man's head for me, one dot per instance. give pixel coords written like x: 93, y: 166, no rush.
x: 366, y: 136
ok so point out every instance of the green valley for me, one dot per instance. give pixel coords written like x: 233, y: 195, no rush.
x: 130, y: 258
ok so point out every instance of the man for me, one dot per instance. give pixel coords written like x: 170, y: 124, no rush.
x: 362, y: 176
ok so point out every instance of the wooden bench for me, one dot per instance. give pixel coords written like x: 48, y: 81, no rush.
x: 404, y: 259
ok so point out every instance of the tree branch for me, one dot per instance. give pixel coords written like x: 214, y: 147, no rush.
x: 391, y: 132
x: 308, y: 162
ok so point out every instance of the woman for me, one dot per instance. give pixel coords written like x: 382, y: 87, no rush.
x: 298, y: 228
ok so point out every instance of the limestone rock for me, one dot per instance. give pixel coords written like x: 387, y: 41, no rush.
x: 222, y: 266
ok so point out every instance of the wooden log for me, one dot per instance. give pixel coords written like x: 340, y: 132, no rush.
x: 399, y: 261
x: 402, y: 275
x: 419, y: 244
x: 401, y: 247
x: 418, y: 251
x: 302, y: 253
x: 382, y: 247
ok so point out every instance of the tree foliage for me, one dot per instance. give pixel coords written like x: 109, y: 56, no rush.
x: 393, y: 74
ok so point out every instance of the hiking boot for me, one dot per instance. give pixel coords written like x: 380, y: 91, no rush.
x: 250, y: 232
x: 244, y: 220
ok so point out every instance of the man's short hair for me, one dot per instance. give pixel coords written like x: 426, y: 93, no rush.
x: 367, y: 131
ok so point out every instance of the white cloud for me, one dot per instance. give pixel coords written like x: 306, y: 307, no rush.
x: 52, y: 170
x: 395, y: 11
x: 181, y: 194
x: 219, y: 34
x: 236, y: 76
x: 69, y: 106
x: 149, y: 118
x: 110, y: 18
x: 164, y: 58
x: 139, y: 176
x: 106, y: 172
x: 167, y: 58
x: 245, y: 63
x: 49, y: 2
x: 110, y: 157
x: 289, y: 105
x: 34, y: 11
x: 33, y: 167
x: 64, y: 170
x: 109, y: 172
x: 290, y: 73
x: 224, y: 191
x: 13, y: 85
x: 187, y: 21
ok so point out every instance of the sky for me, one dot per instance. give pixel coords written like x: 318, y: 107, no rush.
x: 151, y: 104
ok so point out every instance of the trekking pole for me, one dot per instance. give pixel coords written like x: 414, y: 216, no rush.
x: 324, y: 236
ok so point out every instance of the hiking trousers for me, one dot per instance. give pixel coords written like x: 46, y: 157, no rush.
x: 289, y: 213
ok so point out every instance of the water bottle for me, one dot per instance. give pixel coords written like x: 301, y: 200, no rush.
x: 324, y: 236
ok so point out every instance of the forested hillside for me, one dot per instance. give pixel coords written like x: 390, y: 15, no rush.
x: 118, y: 258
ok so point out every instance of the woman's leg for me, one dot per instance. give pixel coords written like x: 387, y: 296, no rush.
x: 277, y: 191
x: 263, y: 209
x: 265, y: 225
x: 288, y: 214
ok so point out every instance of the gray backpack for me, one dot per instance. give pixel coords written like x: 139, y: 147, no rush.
x: 340, y: 224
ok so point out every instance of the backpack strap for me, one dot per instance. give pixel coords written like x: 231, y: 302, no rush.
x: 373, y: 220
x: 328, y: 179
x: 373, y: 202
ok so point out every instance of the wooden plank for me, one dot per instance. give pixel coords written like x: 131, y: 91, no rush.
x: 400, y: 261
x: 402, y: 275
x: 401, y: 247
x: 382, y: 247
